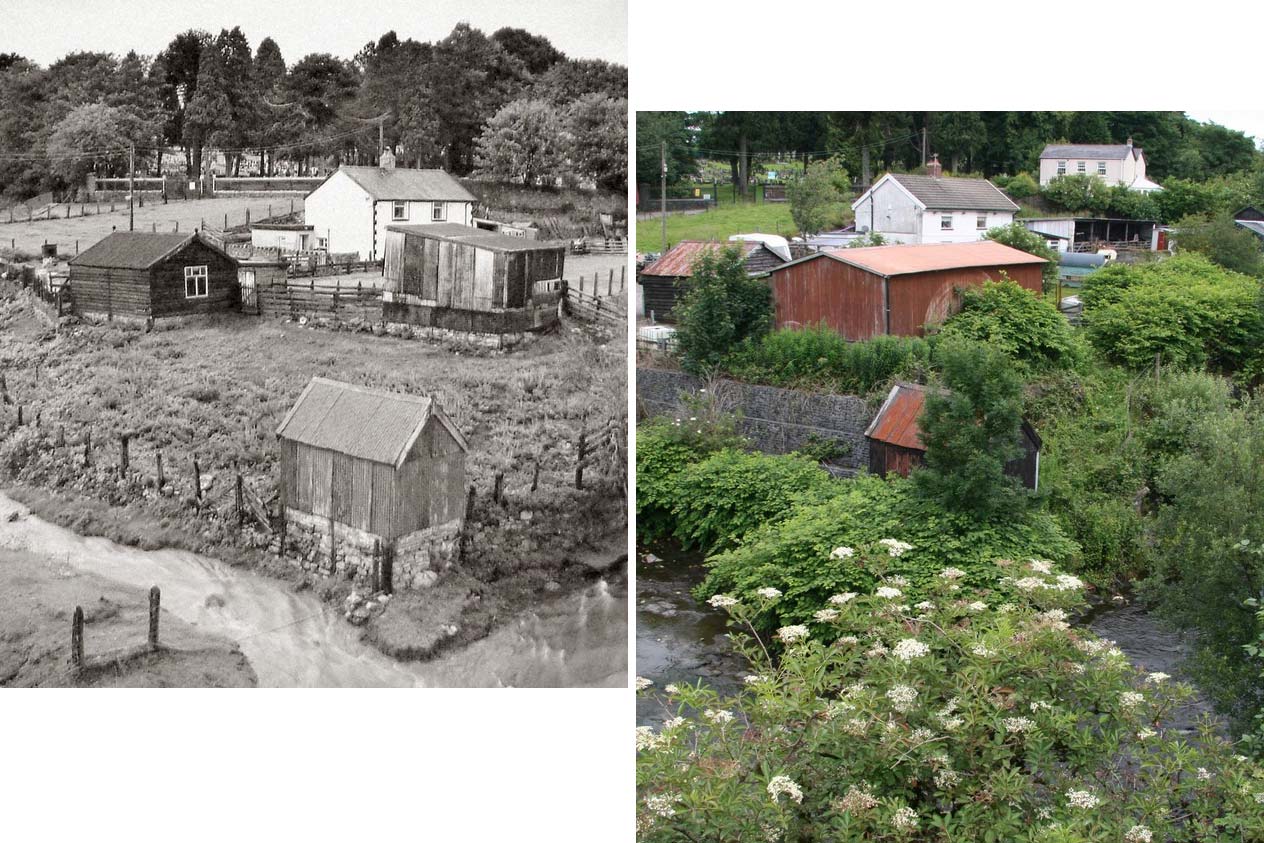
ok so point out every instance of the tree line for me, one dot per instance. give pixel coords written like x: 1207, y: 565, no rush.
x: 508, y: 106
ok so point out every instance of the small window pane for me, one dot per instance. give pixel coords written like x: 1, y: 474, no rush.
x: 438, y: 211
x: 195, y: 282
x: 1101, y: 168
x: 1079, y: 166
x: 945, y: 221
x: 399, y: 211
x: 980, y: 222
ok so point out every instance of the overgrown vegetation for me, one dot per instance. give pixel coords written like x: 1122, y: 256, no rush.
x: 819, y: 358
x: 722, y: 308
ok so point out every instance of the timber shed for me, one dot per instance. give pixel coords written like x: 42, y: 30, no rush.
x: 665, y: 281
x: 139, y: 274
x: 895, y: 440
x: 465, y: 279
x: 377, y: 478
x: 866, y: 292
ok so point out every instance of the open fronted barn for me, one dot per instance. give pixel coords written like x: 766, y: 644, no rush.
x: 378, y: 478
x: 459, y: 278
x: 139, y: 274
x: 864, y: 293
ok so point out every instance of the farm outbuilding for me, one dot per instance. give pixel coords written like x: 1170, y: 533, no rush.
x: 898, y: 290
x: 377, y: 478
x: 895, y: 440
x: 665, y: 281
x: 459, y: 278
x: 139, y: 274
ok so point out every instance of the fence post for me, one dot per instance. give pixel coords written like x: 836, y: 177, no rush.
x: 579, y: 463
x: 87, y: 448
x: 197, y: 479
x: 76, y: 639
x: 155, y: 598
x: 19, y: 415
x: 124, y: 461
x: 162, y: 481
x: 535, y: 476
x: 241, y: 515
x: 61, y: 436
x: 498, y: 488
x: 623, y: 277
x: 610, y: 284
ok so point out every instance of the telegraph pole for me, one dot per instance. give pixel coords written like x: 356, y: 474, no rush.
x: 662, y: 196
x: 923, y: 146
x: 131, y: 188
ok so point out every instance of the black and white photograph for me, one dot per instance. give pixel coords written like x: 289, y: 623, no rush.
x: 313, y: 365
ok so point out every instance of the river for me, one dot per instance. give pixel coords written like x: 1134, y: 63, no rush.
x: 679, y: 639
x: 293, y: 639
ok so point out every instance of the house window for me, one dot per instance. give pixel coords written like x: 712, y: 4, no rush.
x: 1101, y: 168
x: 1080, y: 166
x: 322, y: 242
x: 980, y: 222
x: 1062, y: 168
x: 195, y: 282
x: 399, y: 210
x: 945, y: 222
x: 438, y: 212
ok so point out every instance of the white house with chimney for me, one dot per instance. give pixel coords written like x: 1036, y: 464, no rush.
x: 931, y: 208
x: 1118, y: 163
x: 350, y: 210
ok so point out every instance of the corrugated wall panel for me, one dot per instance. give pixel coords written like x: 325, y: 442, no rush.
x: 340, y: 490
x: 393, y: 262
x: 843, y: 297
x: 383, y: 500
x: 362, y: 495
x: 322, y: 463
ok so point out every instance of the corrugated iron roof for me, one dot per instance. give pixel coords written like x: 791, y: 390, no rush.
x: 133, y: 249
x: 364, y: 423
x: 476, y: 237
x: 896, y: 422
x: 1108, y: 151
x: 678, y: 261
x: 404, y: 183
x: 930, y: 257
x: 1252, y: 225
x: 952, y: 194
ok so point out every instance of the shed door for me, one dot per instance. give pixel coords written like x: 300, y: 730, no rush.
x: 247, y: 277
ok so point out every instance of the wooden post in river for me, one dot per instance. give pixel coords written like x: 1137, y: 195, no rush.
x: 155, y: 598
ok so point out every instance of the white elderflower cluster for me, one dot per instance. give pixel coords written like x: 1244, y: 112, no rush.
x: 1029, y: 583
x: 887, y: 592
x: 856, y: 727
x: 718, y: 715
x: 1157, y: 678
x: 983, y: 651
x: 722, y: 601
x: 1006, y: 608
x: 1040, y: 566
x: 902, y: 697
x: 977, y: 606
x: 842, y: 553
x: 647, y: 740
x: 660, y: 804
x: 1040, y: 705
x: 752, y: 679
x: 1018, y: 725
x: 671, y: 688
x: 921, y: 736
x: 878, y: 650
x: 947, y: 778
x: 1203, y: 774
x: 1083, y: 799
x: 897, y: 580
x: 857, y: 799
x: 642, y: 683
x: 792, y: 634
x: 1131, y: 699
x: 952, y: 573
x: 843, y: 599
x: 835, y: 709
x: 826, y: 615
x: 925, y: 606
x: 905, y: 819
x: 768, y: 592
x: 895, y: 547
x: 780, y: 785
x: 847, y: 639
x: 1067, y: 582
x: 1138, y: 834
x: 909, y: 649
x: 1145, y: 734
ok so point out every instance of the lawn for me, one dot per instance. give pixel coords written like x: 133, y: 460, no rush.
x: 718, y: 224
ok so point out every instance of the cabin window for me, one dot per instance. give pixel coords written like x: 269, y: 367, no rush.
x: 1101, y: 168
x: 1062, y: 168
x: 399, y: 210
x: 1080, y: 166
x: 945, y: 222
x: 980, y: 222
x: 322, y: 242
x: 195, y: 282
x: 438, y: 212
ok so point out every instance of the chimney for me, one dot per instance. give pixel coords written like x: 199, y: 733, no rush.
x: 387, y: 160
x: 934, y: 169
x: 1130, y: 142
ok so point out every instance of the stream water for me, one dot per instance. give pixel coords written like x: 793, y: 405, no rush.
x: 679, y: 639
x: 293, y: 639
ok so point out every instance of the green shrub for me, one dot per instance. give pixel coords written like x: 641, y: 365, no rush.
x: 1018, y: 236
x: 722, y: 307
x: 1014, y: 320
x: 1077, y: 193
x: 665, y: 447
x: 1021, y: 186
x: 1223, y: 241
x: 820, y: 357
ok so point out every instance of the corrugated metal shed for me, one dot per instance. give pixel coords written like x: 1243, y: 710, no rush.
x: 360, y: 422
x: 954, y: 194
x: 409, y: 184
x: 134, y: 249
x: 678, y: 261
x: 480, y: 237
x: 896, y: 422
x: 910, y: 259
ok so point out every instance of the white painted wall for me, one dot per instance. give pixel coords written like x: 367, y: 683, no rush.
x: 889, y: 210
x: 341, y: 211
x: 420, y: 213
x: 965, y: 225
x: 1118, y: 171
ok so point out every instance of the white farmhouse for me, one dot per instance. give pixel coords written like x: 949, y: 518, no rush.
x: 350, y: 210
x: 932, y: 209
x: 1117, y: 163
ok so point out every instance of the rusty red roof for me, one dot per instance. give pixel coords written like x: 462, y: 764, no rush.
x: 896, y: 422
x: 678, y: 261
x: 932, y: 257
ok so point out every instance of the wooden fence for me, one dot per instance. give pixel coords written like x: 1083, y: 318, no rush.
x: 311, y: 270
x: 602, y: 285
x: 364, y: 303
x: 592, y: 308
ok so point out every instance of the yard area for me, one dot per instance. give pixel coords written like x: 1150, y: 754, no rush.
x: 718, y: 224
x: 214, y: 390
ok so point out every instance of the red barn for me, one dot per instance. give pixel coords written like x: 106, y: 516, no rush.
x: 862, y: 293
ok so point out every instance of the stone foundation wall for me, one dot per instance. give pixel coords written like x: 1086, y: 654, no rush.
x: 419, y: 558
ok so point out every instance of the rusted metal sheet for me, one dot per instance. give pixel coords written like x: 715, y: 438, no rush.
x: 896, y: 422
x: 931, y: 297
x: 824, y: 291
x: 677, y: 262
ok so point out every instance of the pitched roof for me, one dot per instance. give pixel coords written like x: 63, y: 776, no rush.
x: 896, y: 422
x: 136, y: 249
x: 1255, y: 226
x: 677, y: 262
x: 889, y: 261
x: 1111, y: 151
x: 479, y: 237
x: 404, y: 183
x: 365, y: 423
x: 951, y: 194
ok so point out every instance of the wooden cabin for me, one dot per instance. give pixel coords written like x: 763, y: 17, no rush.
x: 895, y: 440
x: 465, y: 279
x: 139, y: 274
x: 664, y: 282
x: 378, y: 478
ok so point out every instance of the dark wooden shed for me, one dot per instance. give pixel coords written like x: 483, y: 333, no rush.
x: 895, y: 440
x: 140, y: 274
x: 863, y: 293
x: 466, y: 279
x: 379, y: 476
x: 665, y: 281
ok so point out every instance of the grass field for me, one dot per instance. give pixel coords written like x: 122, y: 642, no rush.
x: 86, y: 230
x: 718, y: 224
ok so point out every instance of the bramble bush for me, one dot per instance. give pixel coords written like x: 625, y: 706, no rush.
x: 1018, y: 236
x: 819, y: 357
x: 1014, y: 320
x: 957, y: 718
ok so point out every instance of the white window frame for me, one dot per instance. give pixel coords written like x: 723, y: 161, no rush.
x: 980, y: 222
x: 201, y: 285
x: 322, y: 242
x: 1081, y: 167
x: 1062, y: 168
x: 399, y: 211
x: 438, y: 212
x: 1101, y: 168
x: 945, y: 222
